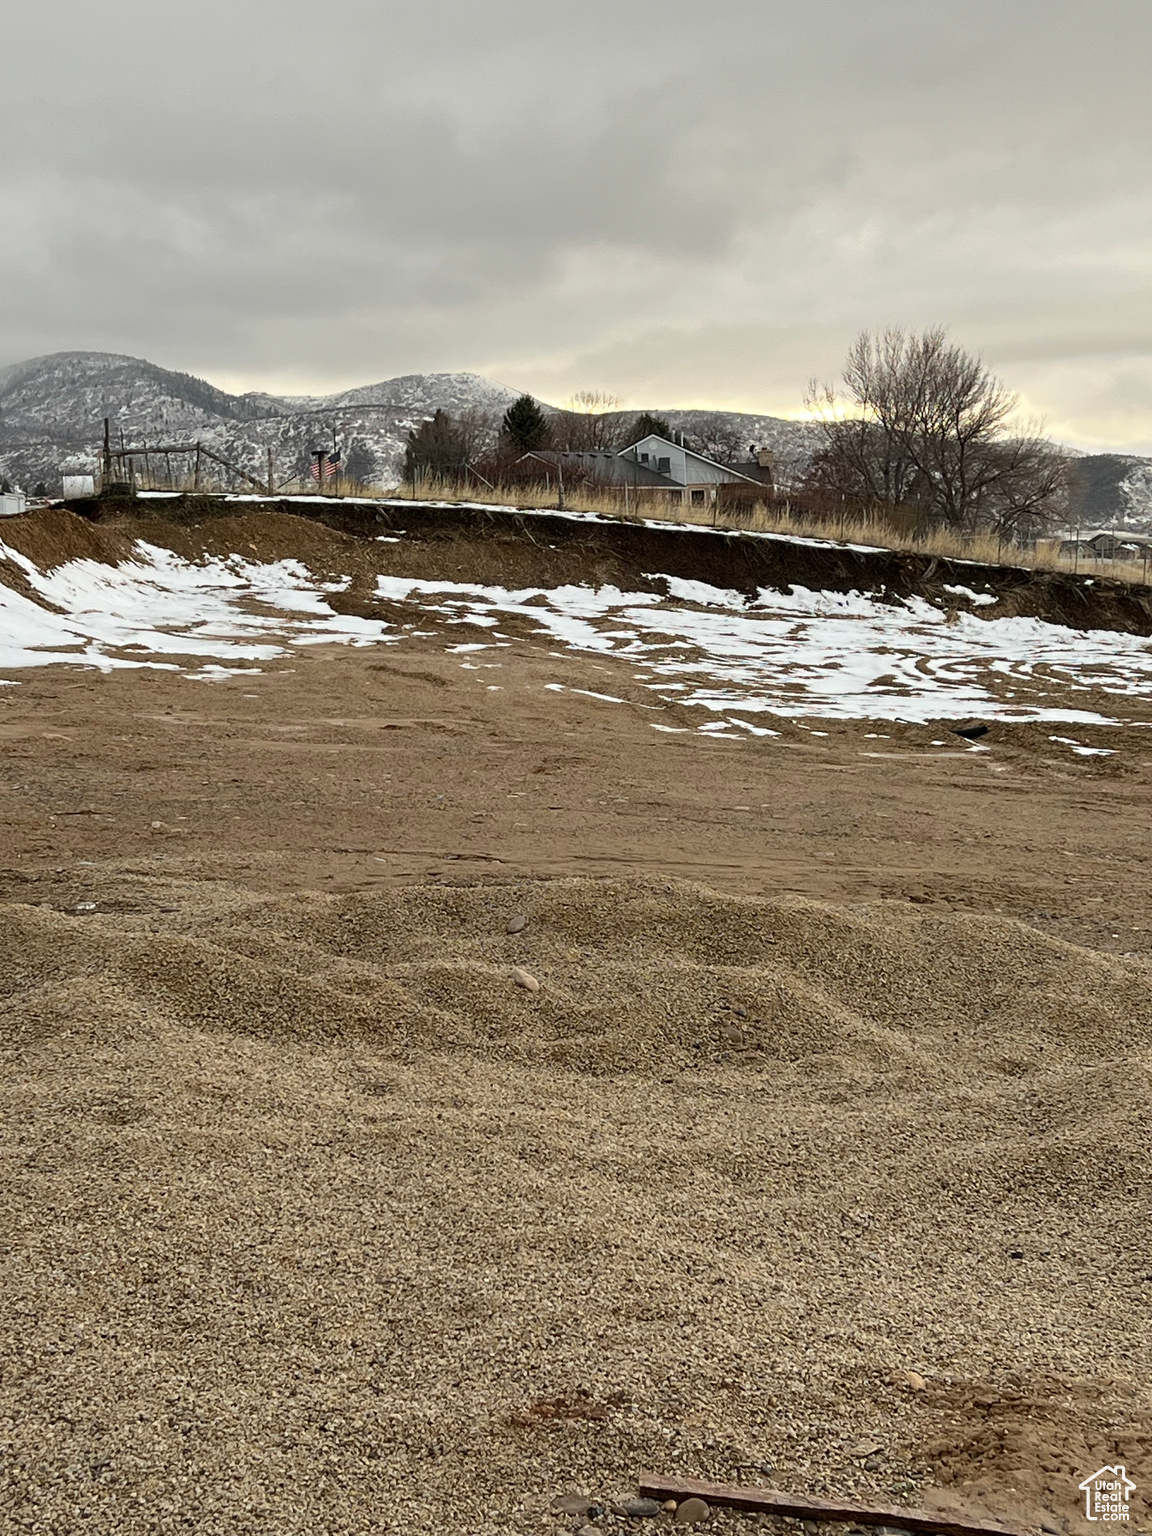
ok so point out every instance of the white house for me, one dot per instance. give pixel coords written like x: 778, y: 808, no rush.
x: 658, y: 469
x: 699, y: 476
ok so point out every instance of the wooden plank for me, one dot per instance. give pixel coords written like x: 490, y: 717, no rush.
x: 770, y: 1501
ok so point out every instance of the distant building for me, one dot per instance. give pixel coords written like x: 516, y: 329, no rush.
x: 660, y: 470
x: 12, y: 503
x: 76, y: 486
x: 1108, y: 545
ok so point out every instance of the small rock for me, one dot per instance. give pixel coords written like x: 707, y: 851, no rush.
x: 517, y: 924
x: 572, y: 1504
x: 873, y: 1464
x: 1015, y: 1253
x: 915, y: 1381
x: 523, y: 979
x: 669, y: 1506
x: 587, y: 1530
x: 691, y: 1512
x: 640, y: 1509
x: 1050, y: 1530
x: 732, y: 1034
x: 865, y: 1448
x: 85, y: 906
x: 767, y: 1467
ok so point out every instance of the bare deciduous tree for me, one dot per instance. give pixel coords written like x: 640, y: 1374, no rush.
x: 725, y: 443
x: 478, y: 431
x: 590, y: 420
x: 923, y: 424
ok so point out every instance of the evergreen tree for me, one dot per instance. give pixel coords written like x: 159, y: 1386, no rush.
x: 647, y: 425
x: 436, y: 447
x: 525, y: 426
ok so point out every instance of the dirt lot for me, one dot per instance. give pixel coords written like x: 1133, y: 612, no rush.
x: 316, y: 1220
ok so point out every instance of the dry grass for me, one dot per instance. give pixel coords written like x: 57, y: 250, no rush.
x: 783, y: 518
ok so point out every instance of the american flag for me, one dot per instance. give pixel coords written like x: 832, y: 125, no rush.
x: 325, y: 466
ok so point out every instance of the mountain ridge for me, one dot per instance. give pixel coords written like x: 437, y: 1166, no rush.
x: 52, y: 411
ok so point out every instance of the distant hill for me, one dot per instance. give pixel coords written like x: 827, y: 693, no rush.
x: 52, y: 412
x: 1112, y: 490
x: 63, y: 397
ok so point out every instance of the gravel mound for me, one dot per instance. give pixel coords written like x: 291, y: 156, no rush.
x: 314, y: 1219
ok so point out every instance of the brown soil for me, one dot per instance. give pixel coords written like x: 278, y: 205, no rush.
x: 517, y: 548
x: 315, y: 1221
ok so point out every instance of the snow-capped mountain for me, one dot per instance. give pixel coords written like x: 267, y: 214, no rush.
x: 1112, y: 490
x: 424, y: 392
x: 52, y: 412
x: 65, y: 397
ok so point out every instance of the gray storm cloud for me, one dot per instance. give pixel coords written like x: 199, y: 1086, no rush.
x: 683, y: 204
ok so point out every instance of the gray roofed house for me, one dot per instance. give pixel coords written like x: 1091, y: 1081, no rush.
x: 1109, y: 544
x: 663, y: 470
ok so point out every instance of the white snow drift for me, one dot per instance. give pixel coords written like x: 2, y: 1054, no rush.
x: 796, y: 654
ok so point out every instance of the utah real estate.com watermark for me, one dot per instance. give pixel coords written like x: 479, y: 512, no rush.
x: 1106, y: 1494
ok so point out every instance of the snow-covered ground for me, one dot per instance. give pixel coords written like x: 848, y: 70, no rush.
x: 741, y: 662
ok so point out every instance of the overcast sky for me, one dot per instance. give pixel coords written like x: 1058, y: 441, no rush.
x: 683, y: 202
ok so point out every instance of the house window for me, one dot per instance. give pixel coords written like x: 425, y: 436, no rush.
x: 643, y: 458
x: 663, y: 466
x: 697, y: 498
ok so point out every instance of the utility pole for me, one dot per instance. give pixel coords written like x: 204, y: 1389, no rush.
x: 271, y: 473
x: 106, y: 476
x: 559, y: 483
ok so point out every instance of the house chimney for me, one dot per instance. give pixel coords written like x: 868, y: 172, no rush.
x: 765, y: 458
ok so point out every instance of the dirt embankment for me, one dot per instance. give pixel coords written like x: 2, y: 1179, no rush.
x: 486, y: 545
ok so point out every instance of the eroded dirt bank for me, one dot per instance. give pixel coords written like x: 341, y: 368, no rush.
x: 480, y: 544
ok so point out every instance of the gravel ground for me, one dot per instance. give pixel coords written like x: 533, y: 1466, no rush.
x: 315, y: 1221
